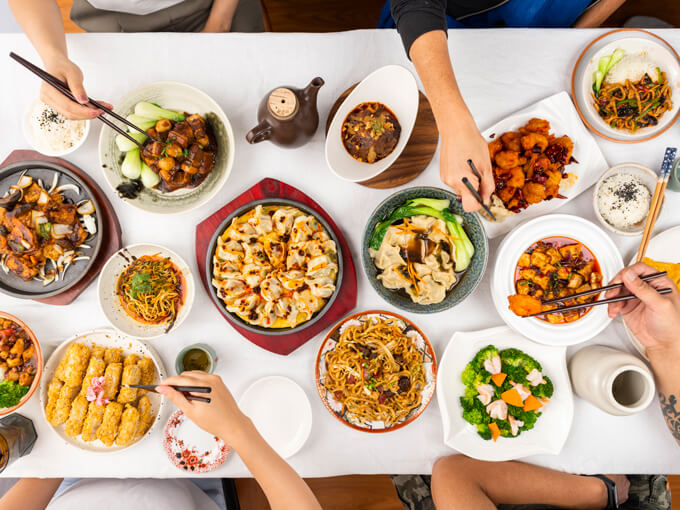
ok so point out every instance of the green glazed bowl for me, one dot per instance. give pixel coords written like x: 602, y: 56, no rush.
x: 467, y: 280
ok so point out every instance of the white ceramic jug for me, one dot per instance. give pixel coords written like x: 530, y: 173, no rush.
x: 615, y: 381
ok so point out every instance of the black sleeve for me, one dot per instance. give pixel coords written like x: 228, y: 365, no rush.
x: 416, y: 17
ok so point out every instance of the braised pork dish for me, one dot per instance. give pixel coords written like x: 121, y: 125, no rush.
x: 370, y: 132
x: 529, y: 167
x: 552, y: 268
x: 42, y: 232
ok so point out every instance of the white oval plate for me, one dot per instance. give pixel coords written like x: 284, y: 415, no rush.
x: 280, y: 411
x: 633, y: 42
x: 552, y: 427
x: 502, y: 284
x: 559, y: 110
x: 181, y: 97
x: 105, y: 338
x: 395, y: 87
x: 659, y: 248
x: 109, y: 302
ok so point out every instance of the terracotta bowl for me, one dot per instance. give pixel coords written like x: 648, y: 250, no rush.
x: 37, y: 356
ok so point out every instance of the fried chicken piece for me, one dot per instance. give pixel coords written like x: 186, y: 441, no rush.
x: 538, y: 126
x: 534, y: 142
x: 560, y: 150
x: 506, y: 193
x: 507, y: 159
x: 517, y: 177
x: 511, y: 141
x: 533, y: 192
x: 524, y: 305
x: 494, y: 148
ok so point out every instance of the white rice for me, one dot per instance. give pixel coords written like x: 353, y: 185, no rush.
x: 52, y: 131
x: 623, y: 200
x: 633, y: 68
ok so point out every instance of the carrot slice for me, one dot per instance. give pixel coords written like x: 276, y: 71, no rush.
x: 498, y: 378
x: 512, y: 397
x: 532, y: 403
x: 495, y: 431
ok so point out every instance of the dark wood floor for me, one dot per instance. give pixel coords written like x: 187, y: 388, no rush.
x: 372, y: 492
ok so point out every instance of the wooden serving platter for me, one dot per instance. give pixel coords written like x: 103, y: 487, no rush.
x: 111, y: 241
x: 347, y: 296
x: 416, y: 155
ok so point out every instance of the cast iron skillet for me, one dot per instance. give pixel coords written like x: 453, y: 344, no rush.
x: 13, y: 285
x: 213, y: 246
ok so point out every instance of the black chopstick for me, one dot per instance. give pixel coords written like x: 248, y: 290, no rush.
x: 63, y: 88
x: 474, y: 191
x: 602, y: 289
x: 626, y: 297
x: 183, y: 389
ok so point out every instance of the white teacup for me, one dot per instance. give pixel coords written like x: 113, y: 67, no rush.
x: 616, y: 382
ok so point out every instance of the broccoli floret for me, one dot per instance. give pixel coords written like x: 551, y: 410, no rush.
x: 504, y: 427
x: 467, y: 402
x: 515, y: 374
x: 472, y: 377
x: 475, y: 416
x: 486, y: 353
x: 529, y: 418
x: 544, y: 390
x: 484, y: 432
x: 517, y: 358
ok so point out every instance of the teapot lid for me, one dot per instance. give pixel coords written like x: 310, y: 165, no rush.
x: 282, y: 103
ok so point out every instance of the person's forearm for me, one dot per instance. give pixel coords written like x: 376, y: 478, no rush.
x: 598, y: 13
x: 30, y: 494
x: 221, y: 16
x: 430, y: 56
x: 41, y: 22
x: 665, y: 364
x: 284, y: 488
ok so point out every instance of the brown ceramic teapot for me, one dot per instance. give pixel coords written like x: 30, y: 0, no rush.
x: 287, y: 116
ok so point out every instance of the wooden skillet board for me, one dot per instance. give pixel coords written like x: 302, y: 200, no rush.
x: 417, y: 154
x: 109, y: 231
x: 347, y: 295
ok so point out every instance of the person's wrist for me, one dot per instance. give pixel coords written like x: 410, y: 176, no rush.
x: 597, y: 491
x: 664, y: 355
x: 237, y: 431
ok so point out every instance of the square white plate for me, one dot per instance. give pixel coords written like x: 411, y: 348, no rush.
x: 560, y: 111
x: 552, y: 427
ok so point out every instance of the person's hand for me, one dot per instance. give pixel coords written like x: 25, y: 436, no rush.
x: 654, y: 319
x: 61, y: 67
x: 461, y: 143
x: 221, y: 417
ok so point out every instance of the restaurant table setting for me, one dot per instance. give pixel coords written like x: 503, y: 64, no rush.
x: 586, y: 387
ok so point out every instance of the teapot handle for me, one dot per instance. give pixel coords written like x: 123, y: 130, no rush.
x: 259, y: 133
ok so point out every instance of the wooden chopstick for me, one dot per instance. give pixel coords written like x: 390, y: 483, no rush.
x: 626, y: 297
x: 64, y: 89
x: 185, y: 390
x: 602, y: 289
x: 657, y: 201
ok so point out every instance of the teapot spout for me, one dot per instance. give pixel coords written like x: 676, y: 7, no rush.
x: 310, y: 91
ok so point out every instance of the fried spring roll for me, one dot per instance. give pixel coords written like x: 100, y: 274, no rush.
x: 74, y: 425
x: 132, y: 374
x: 148, y: 372
x: 106, y: 432
x: 112, y: 380
x: 146, y: 417
x: 128, y: 426
x: 132, y: 359
x: 95, y: 414
x: 113, y: 355
x: 98, y: 352
x: 61, y: 368
x: 63, y: 407
x: 95, y: 368
x: 53, y: 390
x: 76, y: 365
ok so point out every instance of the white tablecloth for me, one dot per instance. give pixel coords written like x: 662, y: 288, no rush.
x: 499, y: 71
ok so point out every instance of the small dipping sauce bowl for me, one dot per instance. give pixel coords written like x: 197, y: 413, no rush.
x: 196, y: 357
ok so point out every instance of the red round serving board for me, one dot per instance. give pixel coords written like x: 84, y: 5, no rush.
x: 347, y: 296
x: 112, y: 241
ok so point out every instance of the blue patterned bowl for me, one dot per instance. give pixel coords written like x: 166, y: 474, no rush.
x: 467, y: 281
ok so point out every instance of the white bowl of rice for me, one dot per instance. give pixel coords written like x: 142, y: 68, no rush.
x: 622, y: 198
x: 52, y: 134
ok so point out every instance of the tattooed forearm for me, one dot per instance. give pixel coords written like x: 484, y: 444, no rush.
x: 671, y: 414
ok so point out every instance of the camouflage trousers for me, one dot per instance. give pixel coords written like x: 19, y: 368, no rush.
x: 647, y: 492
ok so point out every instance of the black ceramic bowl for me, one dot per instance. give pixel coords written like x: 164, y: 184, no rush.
x: 467, y: 280
x: 213, y: 246
x: 13, y: 285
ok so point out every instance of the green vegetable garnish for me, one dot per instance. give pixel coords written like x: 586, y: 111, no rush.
x: 604, y: 65
x: 11, y: 393
x: 140, y: 284
x: 437, y: 209
x: 153, y: 111
x: 376, y: 126
x: 45, y: 229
